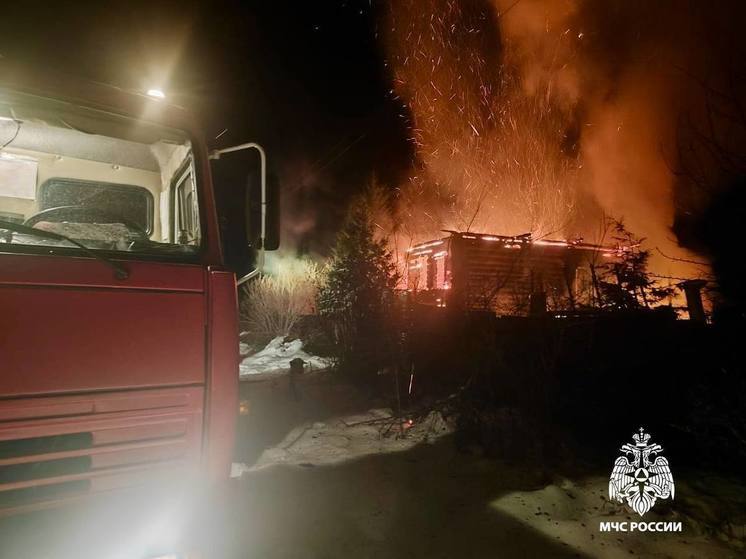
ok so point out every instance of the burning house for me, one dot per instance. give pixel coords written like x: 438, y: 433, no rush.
x: 507, y: 275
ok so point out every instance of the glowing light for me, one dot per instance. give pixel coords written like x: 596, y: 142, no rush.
x: 551, y: 243
x: 425, y: 245
x: 156, y: 93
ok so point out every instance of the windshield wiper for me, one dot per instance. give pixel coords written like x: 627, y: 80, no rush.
x: 119, y: 271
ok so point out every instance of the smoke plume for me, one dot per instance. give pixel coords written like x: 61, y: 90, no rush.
x: 544, y: 116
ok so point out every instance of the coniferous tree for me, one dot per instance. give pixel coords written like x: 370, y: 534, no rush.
x: 626, y: 282
x: 357, y: 295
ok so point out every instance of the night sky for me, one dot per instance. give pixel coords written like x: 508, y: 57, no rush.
x: 306, y: 79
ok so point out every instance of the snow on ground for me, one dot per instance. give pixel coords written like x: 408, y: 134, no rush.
x: 347, y: 438
x: 342, y: 488
x: 276, y: 357
x: 571, y: 512
x: 333, y: 482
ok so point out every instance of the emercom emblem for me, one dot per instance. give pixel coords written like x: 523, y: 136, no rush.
x: 641, y: 475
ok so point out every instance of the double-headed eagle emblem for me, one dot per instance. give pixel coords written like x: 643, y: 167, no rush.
x: 641, y: 476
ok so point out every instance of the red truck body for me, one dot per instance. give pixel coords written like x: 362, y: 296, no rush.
x: 109, y: 383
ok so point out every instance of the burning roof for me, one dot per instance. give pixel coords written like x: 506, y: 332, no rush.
x: 517, y: 241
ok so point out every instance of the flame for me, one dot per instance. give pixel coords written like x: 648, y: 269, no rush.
x: 517, y: 129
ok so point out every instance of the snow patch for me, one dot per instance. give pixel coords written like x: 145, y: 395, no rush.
x: 346, y: 438
x: 238, y: 469
x: 276, y: 357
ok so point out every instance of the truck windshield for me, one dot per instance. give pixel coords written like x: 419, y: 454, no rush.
x: 108, y: 182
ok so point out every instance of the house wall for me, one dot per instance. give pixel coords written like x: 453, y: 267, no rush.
x: 489, y: 273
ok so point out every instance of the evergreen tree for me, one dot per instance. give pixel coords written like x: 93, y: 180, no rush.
x: 357, y: 295
x: 626, y: 283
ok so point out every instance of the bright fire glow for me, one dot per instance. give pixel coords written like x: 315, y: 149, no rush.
x: 425, y: 245
x: 509, y: 138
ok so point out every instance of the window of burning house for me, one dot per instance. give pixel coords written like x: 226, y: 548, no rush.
x: 428, y: 272
x: 414, y: 274
x: 432, y: 266
x: 108, y: 182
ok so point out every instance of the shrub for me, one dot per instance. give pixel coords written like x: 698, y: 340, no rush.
x: 272, y: 304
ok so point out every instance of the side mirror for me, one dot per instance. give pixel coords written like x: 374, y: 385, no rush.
x: 271, y: 240
x: 248, y: 206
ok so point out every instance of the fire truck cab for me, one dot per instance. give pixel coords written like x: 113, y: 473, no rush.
x: 119, y: 336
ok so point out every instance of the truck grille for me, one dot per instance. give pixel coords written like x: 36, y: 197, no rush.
x: 16, y: 498
x: 44, y: 445
x: 119, y: 440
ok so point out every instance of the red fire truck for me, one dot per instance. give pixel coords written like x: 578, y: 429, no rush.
x: 118, y: 314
